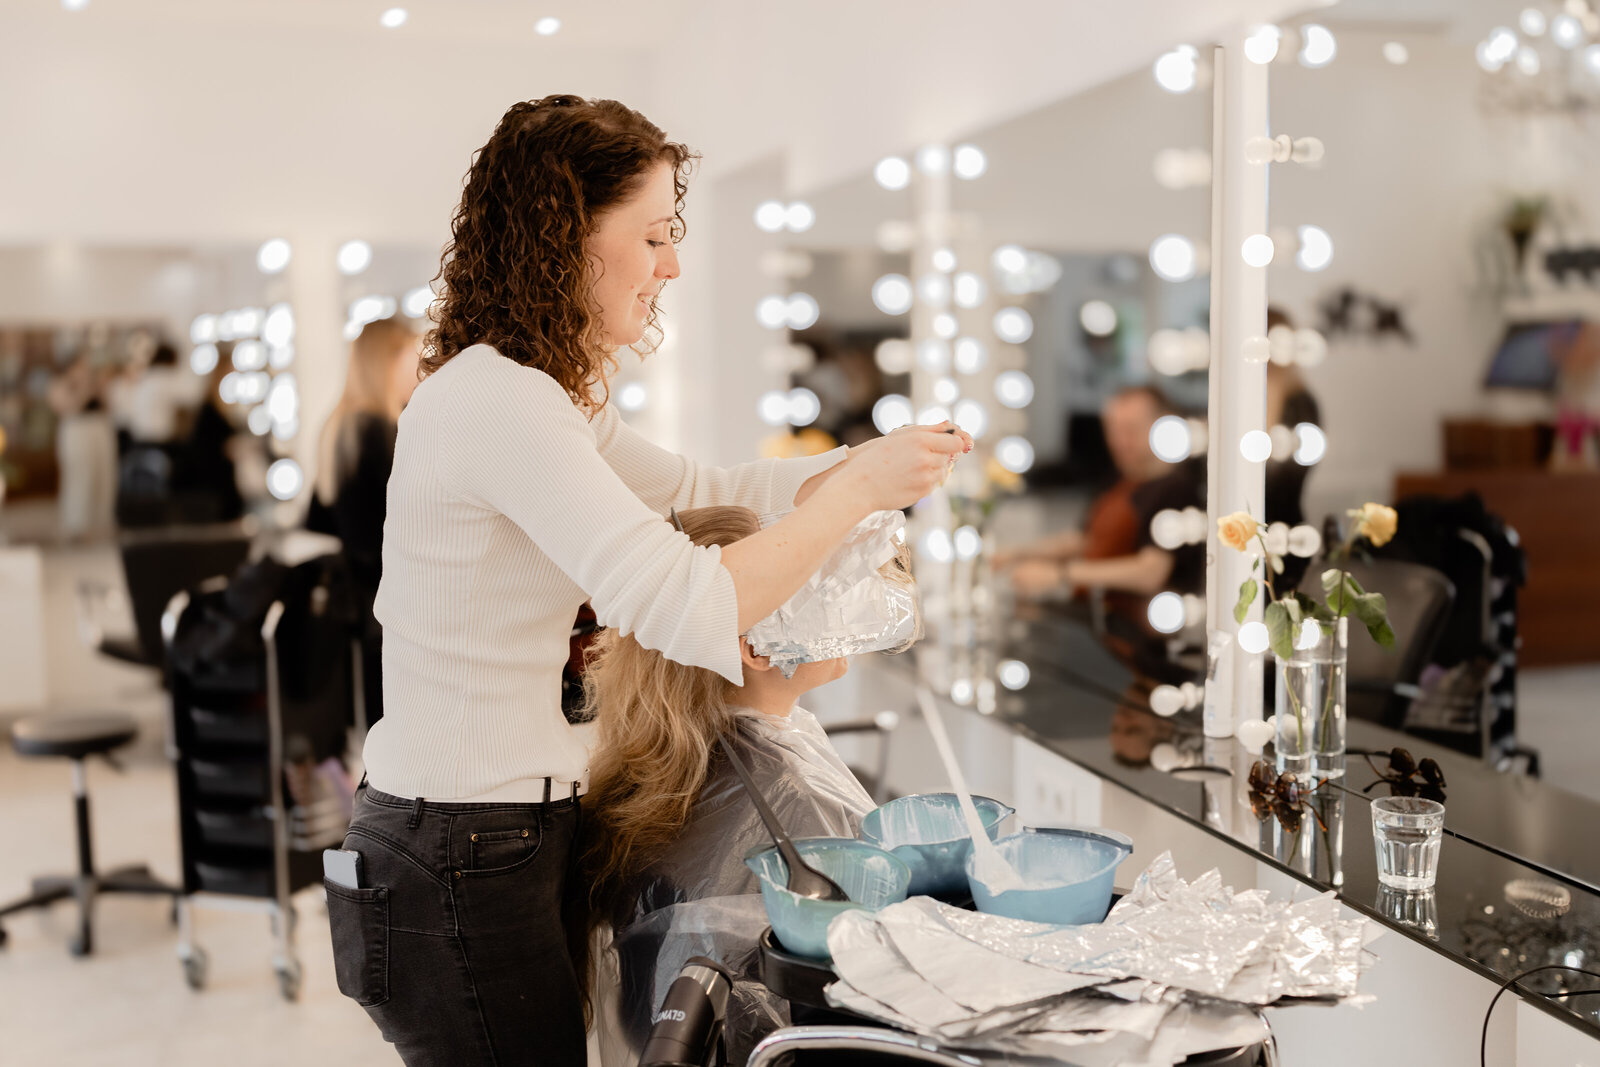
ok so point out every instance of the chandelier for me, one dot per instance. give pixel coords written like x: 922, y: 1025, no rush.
x: 1549, y: 64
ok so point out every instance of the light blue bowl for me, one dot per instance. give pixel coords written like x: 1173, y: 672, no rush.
x: 1072, y: 868
x: 928, y: 831
x: 872, y: 877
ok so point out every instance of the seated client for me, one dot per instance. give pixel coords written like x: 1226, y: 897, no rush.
x: 667, y: 823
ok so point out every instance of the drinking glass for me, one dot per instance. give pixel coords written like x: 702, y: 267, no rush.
x: 1406, y: 832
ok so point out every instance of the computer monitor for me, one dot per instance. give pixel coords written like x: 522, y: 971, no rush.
x: 1530, y: 354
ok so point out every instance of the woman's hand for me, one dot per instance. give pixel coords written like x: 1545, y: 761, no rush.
x: 900, y: 469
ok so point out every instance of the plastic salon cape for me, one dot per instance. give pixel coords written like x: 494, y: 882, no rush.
x: 701, y: 900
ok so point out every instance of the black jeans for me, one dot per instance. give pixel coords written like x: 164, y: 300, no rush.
x: 454, y: 944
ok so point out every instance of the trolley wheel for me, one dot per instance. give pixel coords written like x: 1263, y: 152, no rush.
x: 290, y: 976
x: 194, y: 968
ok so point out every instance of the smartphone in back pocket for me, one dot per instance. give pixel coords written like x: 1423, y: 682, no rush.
x: 342, y: 867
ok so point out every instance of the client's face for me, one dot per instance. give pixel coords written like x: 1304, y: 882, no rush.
x: 808, y: 676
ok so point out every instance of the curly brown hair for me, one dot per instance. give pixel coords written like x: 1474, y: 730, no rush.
x: 515, y: 274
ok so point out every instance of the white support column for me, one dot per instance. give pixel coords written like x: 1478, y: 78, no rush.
x: 1238, y: 388
x: 322, y: 354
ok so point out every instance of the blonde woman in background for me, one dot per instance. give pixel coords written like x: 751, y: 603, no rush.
x: 354, y: 457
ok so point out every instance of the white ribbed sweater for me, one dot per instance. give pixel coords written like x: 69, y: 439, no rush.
x: 507, y: 509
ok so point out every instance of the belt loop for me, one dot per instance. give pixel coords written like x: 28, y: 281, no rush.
x: 574, y: 792
x: 547, y: 790
x: 416, y: 815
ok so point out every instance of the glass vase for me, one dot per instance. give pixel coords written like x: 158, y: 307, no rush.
x: 1310, y: 705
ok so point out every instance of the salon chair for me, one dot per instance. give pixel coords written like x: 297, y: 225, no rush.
x: 76, y: 738
x: 1382, y: 682
x: 157, y: 566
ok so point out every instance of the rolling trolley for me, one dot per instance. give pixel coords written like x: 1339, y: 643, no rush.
x: 258, y: 799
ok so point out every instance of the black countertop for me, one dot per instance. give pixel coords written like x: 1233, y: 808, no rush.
x: 1519, y: 868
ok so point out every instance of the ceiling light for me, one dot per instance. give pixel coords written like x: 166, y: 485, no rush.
x: 272, y: 256
x: 969, y: 162
x: 1396, y: 53
x: 547, y: 26
x: 393, y: 18
x: 354, y: 257
x: 1319, y: 46
x: 1177, y: 71
x: 892, y: 172
x: 799, y: 217
x: 771, y: 216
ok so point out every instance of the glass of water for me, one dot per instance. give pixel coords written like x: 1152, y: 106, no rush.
x: 1406, y: 831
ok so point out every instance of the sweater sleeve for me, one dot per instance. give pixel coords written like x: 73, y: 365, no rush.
x: 664, y: 479
x: 513, y: 442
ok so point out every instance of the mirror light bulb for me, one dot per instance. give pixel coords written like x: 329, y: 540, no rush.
x: 892, y: 173
x: 1256, y: 446
x: 1253, y: 637
x: 1166, y: 613
x: 892, y: 294
x: 1257, y: 250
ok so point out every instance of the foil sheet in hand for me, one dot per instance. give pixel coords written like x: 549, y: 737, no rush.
x: 1177, y: 968
x: 848, y: 606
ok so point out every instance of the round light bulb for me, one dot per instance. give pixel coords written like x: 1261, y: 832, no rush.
x: 273, y: 256
x: 971, y: 355
x: 933, y: 355
x: 1310, y: 634
x: 895, y: 356
x: 1528, y: 61
x: 892, y: 172
x: 1591, y: 59
x: 933, y: 159
x: 892, y: 294
x: 203, y: 330
x: 971, y: 417
x: 277, y: 329
x: 1396, y: 53
x: 804, y: 407
x: 1173, y: 257
x: 772, y: 312
x: 934, y: 290
x: 773, y: 407
x: 943, y: 260
x: 945, y: 325
x: 933, y: 415
x: 1256, y: 446
x: 1014, y: 674
x: 203, y: 360
x: 891, y: 412
x: 1262, y: 44
x: 1316, y: 249
x: 1313, y: 444
x: 1013, y: 325
x: 354, y: 257
x: 1176, y: 71
x: 1318, y: 46
x: 1098, y: 318
x: 1015, y: 454
x: 770, y: 216
x: 1009, y: 259
x: 417, y: 301
x: 967, y: 542
x: 937, y: 547
x: 1565, y: 30
x: 1166, y: 529
x: 285, y: 479
x: 393, y: 18
x: 1166, y: 613
x: 1166, y: 700
x: 1532, y: 21
x: 945, y: 390
x: 801, y: 311
x: 1013, y: 388
x: 968, y: 289
x: 1169, y: 439
x: 632, y: 397
x: 1305, y: 541
x: 969, y: 162
x: 547, y: 26
x: 1253, y: 637
x: 799, y: 217
x: 1257, y: 250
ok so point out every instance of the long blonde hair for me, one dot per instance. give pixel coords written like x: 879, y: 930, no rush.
x: 658, y: 727
x: 368, y: 390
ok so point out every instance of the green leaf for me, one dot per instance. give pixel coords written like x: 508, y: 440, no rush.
x: 1280, y: 635
x: 1247, y: 596
x: 1373, y: 611
x: 1292, y: 606
x: 1277, y: 564
x: 1311, y: 608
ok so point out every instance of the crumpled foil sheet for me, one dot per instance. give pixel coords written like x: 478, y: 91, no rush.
x: 847, y: 606
x: 1176, y: 968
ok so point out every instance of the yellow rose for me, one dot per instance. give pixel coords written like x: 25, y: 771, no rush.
x: 1237, y: 530
x: 1378, y: 524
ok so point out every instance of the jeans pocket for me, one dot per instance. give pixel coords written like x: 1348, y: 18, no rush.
x: 490, y: 851
x: 359, y: 922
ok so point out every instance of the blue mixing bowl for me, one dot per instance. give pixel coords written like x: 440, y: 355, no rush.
x: 1066, y: 874
x: 872, y: 877
x: 928, y: 831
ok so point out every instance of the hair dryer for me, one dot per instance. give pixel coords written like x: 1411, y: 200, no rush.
x: 687, y: 1031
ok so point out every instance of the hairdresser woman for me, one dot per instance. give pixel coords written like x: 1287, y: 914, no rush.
x: 517, y: 494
